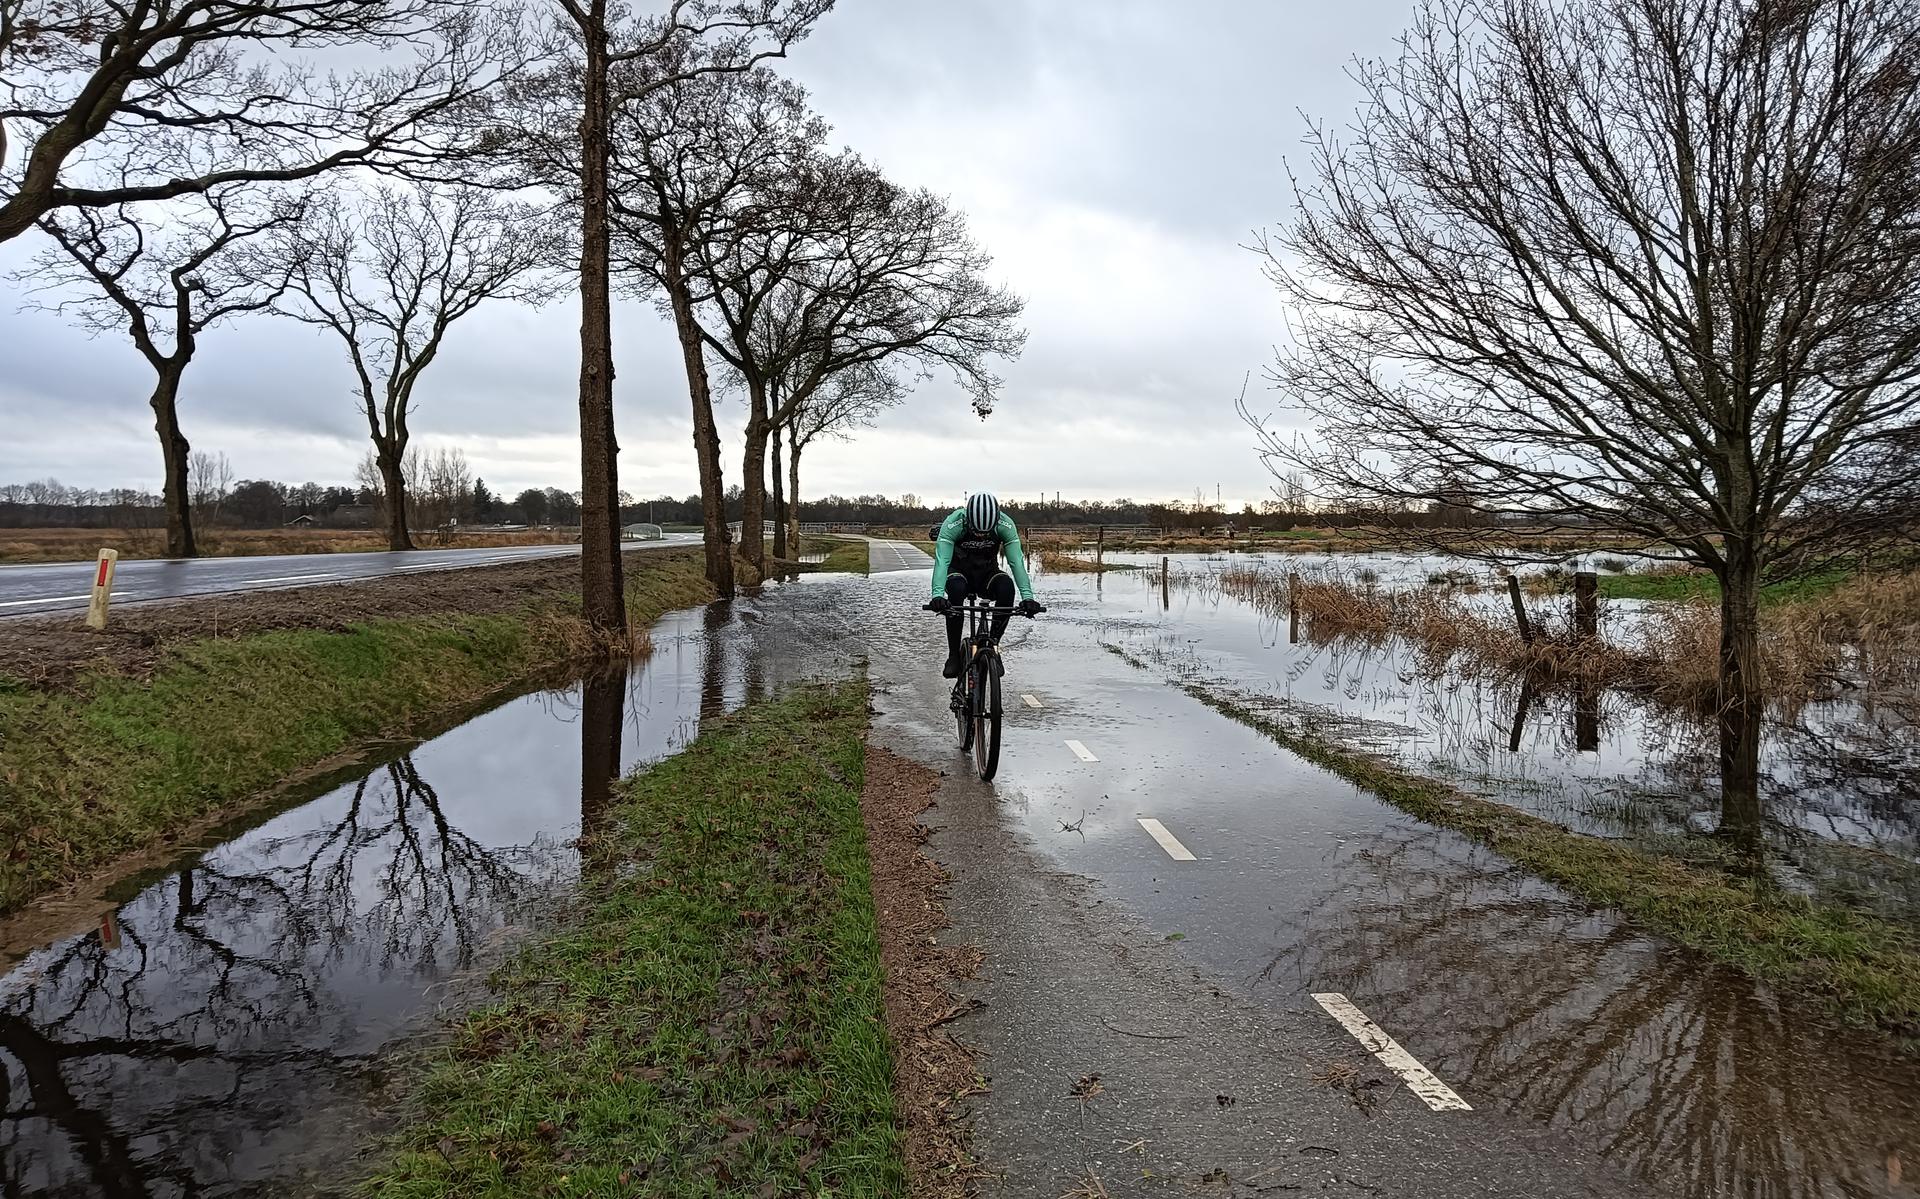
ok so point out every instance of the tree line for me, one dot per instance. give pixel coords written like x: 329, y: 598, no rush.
x: 185, y: 170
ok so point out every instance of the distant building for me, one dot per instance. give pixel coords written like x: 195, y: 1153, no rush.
x: 352, y: 516
x: 303, y: 521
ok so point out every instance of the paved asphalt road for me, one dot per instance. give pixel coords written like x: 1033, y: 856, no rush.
x: 37, y: 588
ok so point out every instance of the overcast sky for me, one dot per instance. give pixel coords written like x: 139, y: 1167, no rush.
x: 1113, y: 155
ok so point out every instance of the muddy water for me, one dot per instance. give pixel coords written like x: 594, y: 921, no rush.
x: 221, y: 1030
x: 1538, y: 1008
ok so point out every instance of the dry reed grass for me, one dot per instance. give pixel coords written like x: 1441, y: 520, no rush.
x: 1864, y: 635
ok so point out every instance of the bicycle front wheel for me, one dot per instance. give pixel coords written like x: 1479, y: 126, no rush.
x: 986, y: 717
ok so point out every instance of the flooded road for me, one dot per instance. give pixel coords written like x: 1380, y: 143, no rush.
x: 1542, y: 1012
x: 224, y: 1031
x: 221, y: 1030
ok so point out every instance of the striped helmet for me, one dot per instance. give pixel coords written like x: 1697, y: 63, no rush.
x: 983, y: 512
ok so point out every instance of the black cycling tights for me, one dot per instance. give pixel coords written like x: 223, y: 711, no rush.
x: 998, y: 588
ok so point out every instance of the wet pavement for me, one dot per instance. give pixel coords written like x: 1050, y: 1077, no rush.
x: 221, y: 1028
x: 33, y: 589
x: 1596, y: 1060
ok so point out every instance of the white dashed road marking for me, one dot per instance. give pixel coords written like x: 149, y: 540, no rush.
x: 1030, y: 701
x: 52, y: 599
x: 1080, y: 751
x: 1167, y: 840
x: 296, y: 578
x: 1419, y: 1079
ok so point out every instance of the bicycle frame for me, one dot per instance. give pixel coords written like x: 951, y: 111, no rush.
x: 976, y: 693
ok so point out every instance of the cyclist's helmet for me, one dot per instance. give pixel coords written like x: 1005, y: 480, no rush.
x: 983, y: 512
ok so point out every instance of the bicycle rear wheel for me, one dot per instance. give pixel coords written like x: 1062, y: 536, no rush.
x: 986, y: 716
x: 963, y: 711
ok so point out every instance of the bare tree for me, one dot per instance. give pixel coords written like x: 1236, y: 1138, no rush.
x: 149, y: 100
x: 836, y: 270
x: 699, y: 160
x: 389, y: 273
x: 604, y: 61
x: 165, y: 277
x: 851, y: 399
x: 1628, y: 265
x: 209, y: 478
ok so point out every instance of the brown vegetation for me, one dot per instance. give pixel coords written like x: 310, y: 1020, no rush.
x: 1863, y: 634
x: 932, y: 1071
x: 73, y: 545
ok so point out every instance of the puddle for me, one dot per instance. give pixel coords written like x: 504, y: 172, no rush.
x: 221, y: 1031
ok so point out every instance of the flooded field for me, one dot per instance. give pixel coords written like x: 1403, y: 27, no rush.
x: 1841, y: 777
x: 220, y: 1029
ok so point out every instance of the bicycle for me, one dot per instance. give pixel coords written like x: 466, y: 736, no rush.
x: 976, y: 693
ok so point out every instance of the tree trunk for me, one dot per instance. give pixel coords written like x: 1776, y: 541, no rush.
x: 602, y: 590
x: 389, y: 456
x: 173, y: 453
x: 793, y: 490
x: 779, y: 504
x: 753, y: 479
x: 706, y: 437
x: 1741, y: 700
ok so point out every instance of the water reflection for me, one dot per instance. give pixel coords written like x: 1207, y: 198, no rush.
x: 219, y: 1032
x: 1698, y: 1076
x: 180, y: 1042
x: 1603, y: 761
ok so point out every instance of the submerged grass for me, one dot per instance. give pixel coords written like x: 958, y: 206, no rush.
x: 1863, y: 969
x: 115, y: 764
x: 711, y: 1022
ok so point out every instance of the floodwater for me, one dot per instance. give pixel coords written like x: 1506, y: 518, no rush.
x: 1841, y: 779
x: 1533, y: 1004
x: 221, y: 1030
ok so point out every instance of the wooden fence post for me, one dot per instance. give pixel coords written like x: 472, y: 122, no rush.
x: 1519, y: 610
x: 1586, y: 605
x: 1100, y: 550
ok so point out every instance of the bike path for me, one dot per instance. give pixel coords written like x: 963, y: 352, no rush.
x: 1587, y: 1059
x: 885, y: 557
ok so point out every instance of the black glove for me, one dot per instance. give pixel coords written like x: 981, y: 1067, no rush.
x: 940, y: 604
x: 1030, y: 608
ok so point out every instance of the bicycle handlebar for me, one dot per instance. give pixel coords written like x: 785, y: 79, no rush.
x: 976, y: 605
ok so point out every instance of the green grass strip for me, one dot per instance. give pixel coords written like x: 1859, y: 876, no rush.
x: 1862, y: 969
x: 1701, y: 585
x: 115, y: 764
x: 710, y: 1022
x: 844, y: 555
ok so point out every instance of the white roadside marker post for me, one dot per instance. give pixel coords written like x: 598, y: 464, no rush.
x: 102, y: 589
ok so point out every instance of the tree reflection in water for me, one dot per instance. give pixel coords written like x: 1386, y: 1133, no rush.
x: 242, y: 990
x: 1698, y: 1076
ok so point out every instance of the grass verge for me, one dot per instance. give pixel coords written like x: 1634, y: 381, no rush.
x: 115, y: 764
x: 710, y: 1023
x: 1862, y: 969
x: 844, y: 555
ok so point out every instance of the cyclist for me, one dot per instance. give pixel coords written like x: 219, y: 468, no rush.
x: 967, y: 562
